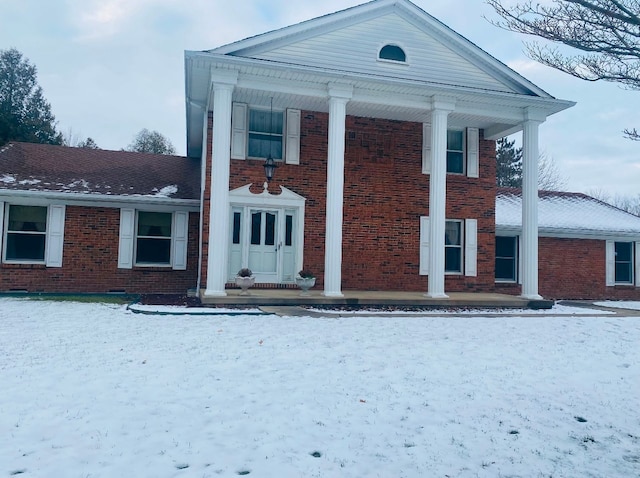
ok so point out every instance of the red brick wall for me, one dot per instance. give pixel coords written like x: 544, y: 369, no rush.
x: 573, y: 269
x: 385, y: 195
x: 90, y: 261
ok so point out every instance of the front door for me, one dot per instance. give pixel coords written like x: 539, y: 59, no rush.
x: 264, y: 245
x: 264, y: 241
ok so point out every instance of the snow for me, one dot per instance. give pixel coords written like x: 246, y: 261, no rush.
x: 94, y: 390
x: 166, y: 191
x: 568, y: 212
x: 556, y: 310
x: 631, y: 305
x: 7, y: 179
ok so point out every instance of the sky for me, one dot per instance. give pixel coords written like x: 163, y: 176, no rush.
x: 110, y: 68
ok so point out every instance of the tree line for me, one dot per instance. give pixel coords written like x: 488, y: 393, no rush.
x: 25, y: 114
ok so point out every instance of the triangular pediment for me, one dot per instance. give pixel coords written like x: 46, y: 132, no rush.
x: 350, y: 41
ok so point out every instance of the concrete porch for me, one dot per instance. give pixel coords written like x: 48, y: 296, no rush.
x: 293, y: 297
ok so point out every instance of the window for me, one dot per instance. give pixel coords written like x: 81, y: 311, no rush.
x: 506, y: 259
x: 153, y: 238
x: 453, y: 247
x: 265, y: 133
x: 455, y: 151
x: 624, y: 262
x: 393, y: 53
x: 26, y: 233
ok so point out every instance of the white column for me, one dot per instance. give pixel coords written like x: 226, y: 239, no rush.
x: 438, y: 196
x: 339, y: 96
x: 218, y: 249
x: 530, y: 158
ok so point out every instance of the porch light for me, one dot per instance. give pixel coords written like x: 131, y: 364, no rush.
x: 269, y: 168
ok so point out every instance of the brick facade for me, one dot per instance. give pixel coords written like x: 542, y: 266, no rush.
x: 385, y: 195
x: 90, y: 261
x: 574, y: 269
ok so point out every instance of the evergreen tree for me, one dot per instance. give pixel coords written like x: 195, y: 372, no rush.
x: 508, y: 164
x: 25, y: 115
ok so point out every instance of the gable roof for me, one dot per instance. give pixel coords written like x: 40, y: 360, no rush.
x: 77, y: 171
x: 292, y: 67
x: 312, y: 42
x: 565, y: 214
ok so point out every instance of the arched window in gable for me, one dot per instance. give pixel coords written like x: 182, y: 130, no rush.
x: 393, y: 53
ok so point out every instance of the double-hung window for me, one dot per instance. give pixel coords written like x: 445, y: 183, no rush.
x: 150, y: 238
x: 506, y: 258
x: 265, y: 133
x: 453, y: 247
x: 32, y: 234
x: 460, y: 246
x: 624, y: 262
x: 455, y: 151
x: 26, y: 233
x: 153, y: 238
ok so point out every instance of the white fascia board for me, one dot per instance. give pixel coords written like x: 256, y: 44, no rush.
x: 322, y: 76
x: 98, y: 200
x: 561, y: 233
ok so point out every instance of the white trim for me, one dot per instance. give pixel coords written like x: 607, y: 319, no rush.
x: 126, y: 238
x: 55, y: 236
x: 292, y: 142
x: 424, y: 246
x: 44, y: 198
x: 426, y: 148
x: 471, y: 247
x: 473, y: 152
x: 180, y: 238
x: 239, y: 130
x: 610, y: 268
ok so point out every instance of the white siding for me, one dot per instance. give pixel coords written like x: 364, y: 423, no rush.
x: 355, y: 48
x: 637, y: 264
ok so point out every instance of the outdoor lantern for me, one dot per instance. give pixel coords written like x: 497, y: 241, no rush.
x: 269, y: 168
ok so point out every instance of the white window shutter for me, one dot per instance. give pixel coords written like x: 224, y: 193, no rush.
x: 292, y: 145
x: 637, y: 264
x: 1, y: 224
x: 473, y: 152
x: 519, y: 259
x: 471, y: 247
x: 125, y: 247
x: 610, y: 263
x: 426, y: 148
x: 239, y: 131
x: 55, y: 236
x: 424, y: 245
x: 180, y: 240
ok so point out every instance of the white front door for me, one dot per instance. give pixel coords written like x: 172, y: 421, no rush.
x: 264, y: 244
x: 264, y: 241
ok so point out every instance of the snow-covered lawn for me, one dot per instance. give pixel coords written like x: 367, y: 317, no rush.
x: 91, y: 390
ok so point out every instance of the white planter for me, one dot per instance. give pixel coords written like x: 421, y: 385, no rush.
x: 244, y: 283
x: 305, y: 283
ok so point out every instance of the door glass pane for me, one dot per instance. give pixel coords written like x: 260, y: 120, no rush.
x: 288, y: 233
x: 270, y: 230
x: 256, y: 223
x: 236, y: 227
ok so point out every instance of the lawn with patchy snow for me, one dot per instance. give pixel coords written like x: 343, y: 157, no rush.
x: 92, y: 390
